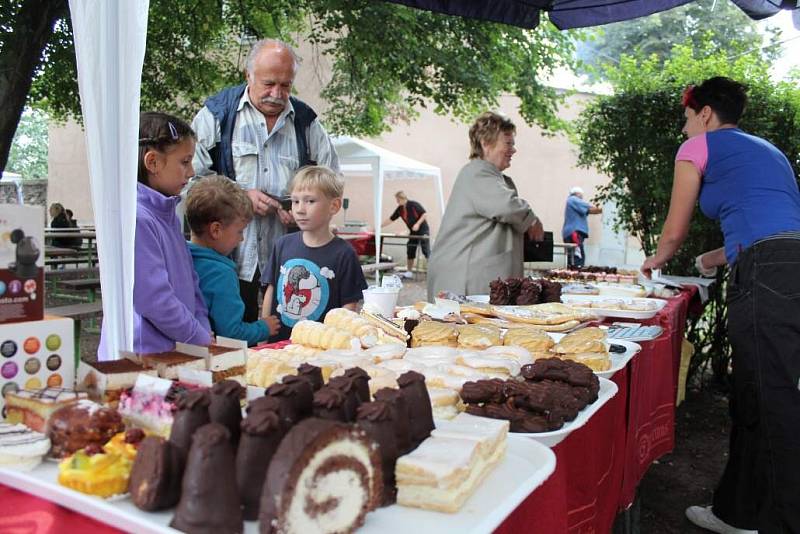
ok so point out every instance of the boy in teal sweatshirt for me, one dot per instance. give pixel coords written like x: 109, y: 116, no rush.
x: 218, y: 212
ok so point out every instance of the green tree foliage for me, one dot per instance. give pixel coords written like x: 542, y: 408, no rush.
x: 633, y: 135
x: 387, y: 59
x: 29, y: 150
x: 716, y: 22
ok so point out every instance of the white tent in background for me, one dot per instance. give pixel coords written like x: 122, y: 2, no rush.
x: 360, y: 158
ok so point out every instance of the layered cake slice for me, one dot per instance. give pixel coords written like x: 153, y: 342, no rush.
x: 489, y: 434
x: 167, y: 364
x: 34, y: 407
x: 447, y: 467
x: 105, y: 381
x: 324, y: 477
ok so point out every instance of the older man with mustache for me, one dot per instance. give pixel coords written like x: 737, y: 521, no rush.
x: 259, y: 135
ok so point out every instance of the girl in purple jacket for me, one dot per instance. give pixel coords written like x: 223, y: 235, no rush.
x: 167, y: 302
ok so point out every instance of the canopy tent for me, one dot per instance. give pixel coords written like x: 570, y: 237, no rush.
x: 360, y: 158
x: 110, y: 41
x: 567, y: 14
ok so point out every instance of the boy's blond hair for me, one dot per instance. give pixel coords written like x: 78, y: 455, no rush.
x: 320, y: 178
x: 216, y: 198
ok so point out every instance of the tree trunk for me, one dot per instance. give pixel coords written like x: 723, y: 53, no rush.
x: 31, y: 29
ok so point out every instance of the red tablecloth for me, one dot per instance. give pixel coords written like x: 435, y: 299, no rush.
x: 598, y: 466
x: 362, y: 242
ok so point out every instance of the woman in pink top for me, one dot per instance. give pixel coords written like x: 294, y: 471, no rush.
x: 749, y: 186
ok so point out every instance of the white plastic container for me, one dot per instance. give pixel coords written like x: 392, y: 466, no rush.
x: 381, y: 300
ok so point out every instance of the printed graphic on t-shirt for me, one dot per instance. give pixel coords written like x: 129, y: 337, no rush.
x: 303, y: 291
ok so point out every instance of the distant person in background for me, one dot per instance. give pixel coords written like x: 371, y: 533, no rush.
x: 416, y: 219
x: 576, y: 225
x: 59, y: 220
x: 75, y: 242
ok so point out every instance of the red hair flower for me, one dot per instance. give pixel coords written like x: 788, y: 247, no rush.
x: 687, y: 99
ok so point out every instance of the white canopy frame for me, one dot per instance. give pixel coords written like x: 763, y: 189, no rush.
x: 359, y: 157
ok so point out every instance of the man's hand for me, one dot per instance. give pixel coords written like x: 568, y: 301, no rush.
x: 536, y: 231
x: 285, y: 217
x: 415, y: 228
x: 273, y: 324
x: 262, y: 204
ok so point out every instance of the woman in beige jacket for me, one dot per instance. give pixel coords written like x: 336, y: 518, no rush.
x: 481, y: 236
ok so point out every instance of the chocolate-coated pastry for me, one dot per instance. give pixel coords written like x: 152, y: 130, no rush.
x: 304, y: 393
x: 530, y: 292
x: 563, y: 395
x: 361, y: 379
x: 551, y: 291
x: 329, y: 403
x: 402, y: 419
x: 545, y: 369
x: 349, y: 387
x: 210, y: 502
x: 286, y: 395
x: 313, y: 373
x: 78, y: 425
x: 262, y: 432
x: 498, y: 293
x: 530, y: 423
x: 420, y: 411
x: 192, y: 414
x: 514, y: 285
x: 377, y: 420
x: 226, y: 408
x: 483, y: 391
x: 584, y: 394
x: 537, y: 398
x: 155, y: 482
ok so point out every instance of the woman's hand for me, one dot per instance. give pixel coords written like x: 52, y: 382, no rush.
x: 536, y: 231
x: 649, y: 265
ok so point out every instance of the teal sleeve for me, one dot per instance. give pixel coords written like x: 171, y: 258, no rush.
x: 225, y: 307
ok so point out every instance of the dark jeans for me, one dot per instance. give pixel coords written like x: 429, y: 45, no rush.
x: 760, y: 488
x: 572, y: 259
x: 411, y: 246
x: 249, y: 292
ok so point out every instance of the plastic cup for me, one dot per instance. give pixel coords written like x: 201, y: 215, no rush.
x: 381, y: 300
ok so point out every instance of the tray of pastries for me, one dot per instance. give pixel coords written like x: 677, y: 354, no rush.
x: 622, y: 307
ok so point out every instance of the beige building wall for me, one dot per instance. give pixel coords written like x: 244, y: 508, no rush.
x: 544, y: 168
x: 68, y: 178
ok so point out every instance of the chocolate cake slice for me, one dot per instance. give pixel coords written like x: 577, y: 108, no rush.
x: 192, y: 414
x: 324, y: 477
x: 313, y: 374
x: 329, y: 403
x: 225, y: 407
x: 402, y: 421
x: 210, y: 502
x: 361, y: 379
x: 377, y: 420
x: 412, y: 385
x: 262, y: 432
x: 348, y: 386
x: 155, y: 482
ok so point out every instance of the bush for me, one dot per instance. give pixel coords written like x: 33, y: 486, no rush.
x: 633, y: 136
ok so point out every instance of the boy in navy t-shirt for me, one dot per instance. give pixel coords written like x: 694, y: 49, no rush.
x: 312, y: 271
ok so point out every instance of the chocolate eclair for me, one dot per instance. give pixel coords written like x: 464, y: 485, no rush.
x: 412, y: 385
x: 192, y: 414
x: 377, y: 420
x: 262, y: 432
x: 226, y: 408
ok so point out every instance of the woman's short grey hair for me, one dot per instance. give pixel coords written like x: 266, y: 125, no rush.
x: 486, y: 129
x: 256, y: 49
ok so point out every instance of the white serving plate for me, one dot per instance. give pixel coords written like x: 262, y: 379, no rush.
x: 609, y: 312
x: 526, y: 466
x: 607, y: 390
x: 618, y: 360
x: 481, y: 299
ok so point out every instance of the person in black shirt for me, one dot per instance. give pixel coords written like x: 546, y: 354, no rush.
x: 415, y: 217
